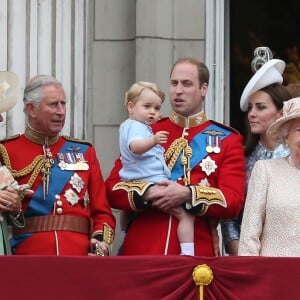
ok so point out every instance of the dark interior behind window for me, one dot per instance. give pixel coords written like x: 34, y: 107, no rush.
x: 272, y: 23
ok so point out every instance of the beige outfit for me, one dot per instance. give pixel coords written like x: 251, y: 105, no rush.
x: 271, y: 220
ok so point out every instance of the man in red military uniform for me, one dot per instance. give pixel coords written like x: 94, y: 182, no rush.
x: 68, y: 212
x: 208, y: 174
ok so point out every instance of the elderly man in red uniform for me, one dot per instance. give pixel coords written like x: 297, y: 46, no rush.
x: 68, y: 212
x: 208, y: 174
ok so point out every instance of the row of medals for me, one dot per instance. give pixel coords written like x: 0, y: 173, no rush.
x: 213, y: 144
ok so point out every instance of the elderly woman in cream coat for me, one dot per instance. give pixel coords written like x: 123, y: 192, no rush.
x: 10, y: 201
x: 271, y: 221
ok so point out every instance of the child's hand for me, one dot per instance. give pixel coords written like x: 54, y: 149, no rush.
x: 161, y: 137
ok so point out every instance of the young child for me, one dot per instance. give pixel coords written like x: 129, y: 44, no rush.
x: 143, y: 156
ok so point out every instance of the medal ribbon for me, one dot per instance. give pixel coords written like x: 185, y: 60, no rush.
x: 198, y: 144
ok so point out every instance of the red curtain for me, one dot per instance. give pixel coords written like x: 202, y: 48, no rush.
x: 147, y: 278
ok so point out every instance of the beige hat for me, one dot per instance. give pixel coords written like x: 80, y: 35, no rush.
x: 269, y: 73
x: 9, y: 90
x: 290, y: 110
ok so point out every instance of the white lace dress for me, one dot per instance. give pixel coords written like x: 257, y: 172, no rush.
x: 271, y: 220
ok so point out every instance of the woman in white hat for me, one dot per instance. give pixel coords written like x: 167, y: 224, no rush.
x: 262, y: 99
x: 271, y: 221
x: 10, y: 202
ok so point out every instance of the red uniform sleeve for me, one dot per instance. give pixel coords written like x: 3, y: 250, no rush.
x: 100, y: 209
x: 117, y: 198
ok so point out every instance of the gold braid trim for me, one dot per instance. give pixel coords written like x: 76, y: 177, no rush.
x: 207, y: 196
x: 133, y: 186
x: 35, y: 167
x: 174, y: 151
x: 107, y: 235
x: 131, y: 200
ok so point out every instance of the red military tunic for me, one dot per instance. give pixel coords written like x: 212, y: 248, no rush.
x: 155, y: 232
x: 77, y: 193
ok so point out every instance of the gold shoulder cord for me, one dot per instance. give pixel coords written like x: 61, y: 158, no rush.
x: 35, y: 167
x: 172, y: 154
x: 181, y: 146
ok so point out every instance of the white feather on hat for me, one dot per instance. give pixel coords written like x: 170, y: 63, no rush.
x: 269, y: 73
x: 9, y: 90
x: 290, y: 110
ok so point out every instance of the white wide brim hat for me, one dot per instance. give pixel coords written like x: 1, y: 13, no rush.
x: 269, y: 73
x: 290, y: 111
x: 9, y: 90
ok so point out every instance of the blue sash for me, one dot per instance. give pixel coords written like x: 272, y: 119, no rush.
x: 198, y: 145
x: 58, y: 180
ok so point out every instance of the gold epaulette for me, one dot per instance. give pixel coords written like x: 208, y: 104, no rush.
x: 72, y: 139
x: 13, y: 137
x: 207, y: 196
x: 136, y: 186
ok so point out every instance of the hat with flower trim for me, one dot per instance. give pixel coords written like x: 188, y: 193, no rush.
x: 9, y: 90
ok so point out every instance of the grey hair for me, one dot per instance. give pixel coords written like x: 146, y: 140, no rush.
x: 33, y: 92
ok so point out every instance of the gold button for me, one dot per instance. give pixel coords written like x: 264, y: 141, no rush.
x: 59, y: 210
x: 59, y: 203
x: 57, y: 197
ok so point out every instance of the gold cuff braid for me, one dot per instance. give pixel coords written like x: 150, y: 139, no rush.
x: 131, y: 200
x: 107, y: 233
x: 133, y: 186
x: 206, y: 196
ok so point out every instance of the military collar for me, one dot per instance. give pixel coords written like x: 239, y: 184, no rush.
x: 187, y: 122
x: 39, y: 138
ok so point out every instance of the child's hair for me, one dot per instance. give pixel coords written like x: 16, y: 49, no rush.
x: 136, y: 89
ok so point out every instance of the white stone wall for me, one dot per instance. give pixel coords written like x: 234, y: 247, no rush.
x: 136, y: 40
x: 45, y: 37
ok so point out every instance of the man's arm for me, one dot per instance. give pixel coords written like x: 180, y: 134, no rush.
x: 168, y: 194
x: 103, y: 221
x: 132, y: 195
